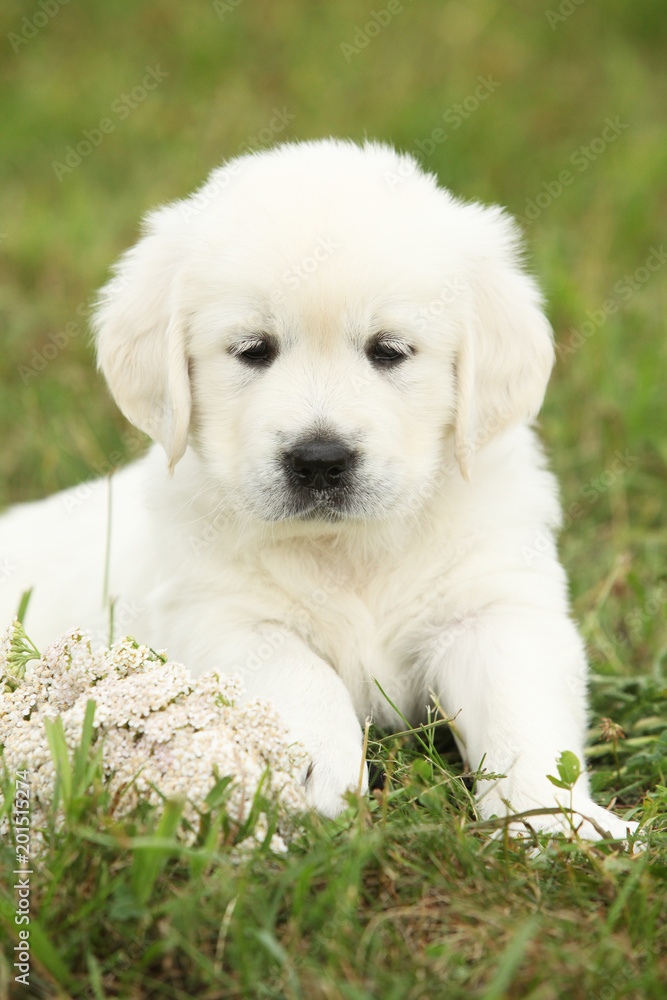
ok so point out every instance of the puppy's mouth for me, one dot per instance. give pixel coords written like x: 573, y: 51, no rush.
x: 288, y: 502
x: 356, y: 500
x: 322, y: 506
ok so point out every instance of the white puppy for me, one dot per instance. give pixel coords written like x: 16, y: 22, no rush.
x: 341, y: 362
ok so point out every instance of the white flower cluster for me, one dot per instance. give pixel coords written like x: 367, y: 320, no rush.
x: 163, y: 733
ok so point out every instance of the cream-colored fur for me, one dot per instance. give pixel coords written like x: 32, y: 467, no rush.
x: 434, y: 570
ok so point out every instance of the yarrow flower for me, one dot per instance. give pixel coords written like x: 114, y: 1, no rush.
x: 160, y: 733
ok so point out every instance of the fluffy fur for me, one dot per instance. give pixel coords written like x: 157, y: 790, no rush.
x: 432, y: 568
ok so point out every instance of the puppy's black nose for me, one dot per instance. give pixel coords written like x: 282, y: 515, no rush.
x: 319, y: 465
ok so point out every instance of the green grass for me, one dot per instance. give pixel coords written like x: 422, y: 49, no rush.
x: 403, y: 897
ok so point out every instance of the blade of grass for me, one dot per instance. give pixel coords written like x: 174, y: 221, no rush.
x: 23, y: 604
x: 45, y: 952
x: 416, y: 731
x: 55, y: 734
x: 149, y: 861
x: 510, y: 959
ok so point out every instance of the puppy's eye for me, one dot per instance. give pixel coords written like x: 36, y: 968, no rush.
x: 388, y: 353
x: 256, y: 351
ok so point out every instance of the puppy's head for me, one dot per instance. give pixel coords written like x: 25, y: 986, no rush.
x: 327, y: 328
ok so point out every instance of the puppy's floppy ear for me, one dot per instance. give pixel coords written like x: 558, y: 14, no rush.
x: 506, y: 350
x: 140, y: 337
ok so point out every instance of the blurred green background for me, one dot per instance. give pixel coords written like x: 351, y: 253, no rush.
x: 555, y: 76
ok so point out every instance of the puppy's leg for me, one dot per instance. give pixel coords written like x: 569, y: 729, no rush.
x: 314, y: 704
x: 517, y: 678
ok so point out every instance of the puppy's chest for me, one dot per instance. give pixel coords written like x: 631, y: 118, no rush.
x: 366, y: 624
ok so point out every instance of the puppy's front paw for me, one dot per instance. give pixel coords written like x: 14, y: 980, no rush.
x: 586, y: 820
x: 592, y: 822
x: 332, y: 772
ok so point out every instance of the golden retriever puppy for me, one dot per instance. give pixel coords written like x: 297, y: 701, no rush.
x: 341, y: 362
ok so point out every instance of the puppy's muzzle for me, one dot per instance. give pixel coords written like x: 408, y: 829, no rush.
x: 319, y: 465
